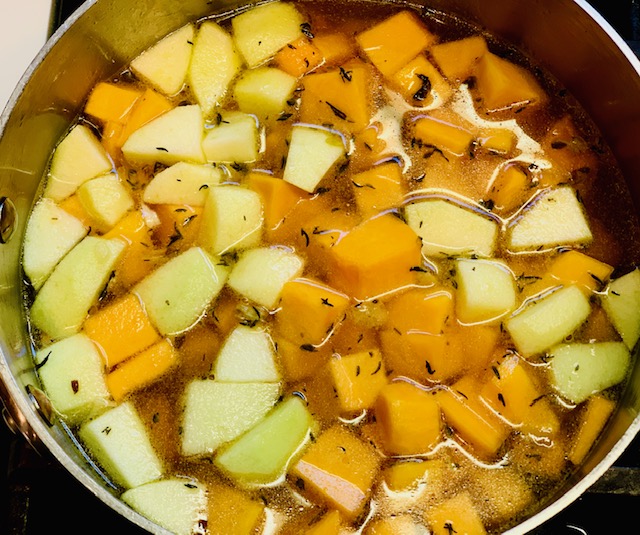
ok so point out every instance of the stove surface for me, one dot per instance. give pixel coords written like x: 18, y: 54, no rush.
x: 36, y: 494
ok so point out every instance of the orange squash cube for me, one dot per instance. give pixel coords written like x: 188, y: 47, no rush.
x: 141, y: 370
x: 232, y: 512
x: 498, y: 141
x: 375, y: 257
x: 567, y: 149
x: 339, y: 469
x: 308, y: 311
x: 395, y: 41
x: 574, y: 267
x: 358, y: 378
x: 451, y: 138
x: 457, y: 59
x: 378, y: 189
x: 111, y: 102
x: 409, y: 418
x: 73, y: 206
x: 329, y: 524
x: 420, y: 83
x: 148, y: 107
x: 121, y: 330
x: 299, y: 57
x: 278, y: 197
x: 300, y: 361
x: 179, y: 225
x: 424, y: 310
x: 455, y: 515
x: 334, y: 47
x: 593, y: 418
x: 509, y: 189
x: 407, y: 475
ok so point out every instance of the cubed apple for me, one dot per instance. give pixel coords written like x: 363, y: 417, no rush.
x: 622, y: 305
x: 247, y: 356
x: 73, y: 376
x: 234, y: 139
x: 174, y: 136
x: 177, y: 294
x: 165, y: 64
x: 580, y: 370
x: 263, y: 453
x: 119, y: 442
x: 105, y: 200
x: 216, y: 413
x: 447, y: 229
x: 182, y: 183
x: 486, y: 290
x: 260, y: 32
x: 77, y: 158
x: 62, y: 304
x: 547, y: 321
x: 51, y: 233
x: 313, y: 151
x: 264, y: 91
x: 261, y: 273
x: 214, y: 63
x: 177, y: 504
x: 555, y: 218
x: 231, y: 220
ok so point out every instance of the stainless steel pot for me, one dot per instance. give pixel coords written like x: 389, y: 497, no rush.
x: 566, y: 36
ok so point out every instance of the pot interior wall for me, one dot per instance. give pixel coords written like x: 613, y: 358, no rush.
x: 103, y: 35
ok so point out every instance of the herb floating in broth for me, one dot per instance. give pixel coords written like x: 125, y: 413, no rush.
x: 324, y: 271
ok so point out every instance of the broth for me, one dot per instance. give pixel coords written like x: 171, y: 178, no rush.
x: 428, y: 407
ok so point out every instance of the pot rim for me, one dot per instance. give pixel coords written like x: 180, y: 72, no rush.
x: 35, y: 429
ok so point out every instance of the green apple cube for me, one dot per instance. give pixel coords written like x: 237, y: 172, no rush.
x: 177, y: 294
x: 79, y: 157
x: 547, y: 321
x: 216, y: 413
x: 106, y: 200
x: 261, y: 273
x: 264, y: 91
x: 73, y: 376
x: 260, y: 32
x: 555, y: 218
x: 165, y: 64
x: 214, y: 64
x: 174, y: 136
x: 621, y: 302
x: 177, y: 504
x: 263, y: 453
x: 231, y: 219
x: 63, y: 302
x: 486, y: 290
x: 580, y: 370
x: 247, y: 355
x: 182, y: 183
x: 119, y: 442
x: 447, y: 229
x: 51, y: 233
x: 313, y: 151
x: 234, y: 139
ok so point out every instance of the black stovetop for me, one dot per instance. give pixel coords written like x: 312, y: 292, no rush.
x: 38, y: 496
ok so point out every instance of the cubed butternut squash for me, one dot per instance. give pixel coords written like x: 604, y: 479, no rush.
x: 378, y: 189
x: 457, y: 59
x: 455, y: 515
x: 340, y: 469
x: 121, y: 329
x: 232, y: 512
x: 329, y: 524
x: 309, y: 310
x: 567, y: 149
x: 179, y: 225
x: 446, y: 136
x: 148, y: 107
x: 408, y: 474
x: 498, y: 141
x: 574, y: 267
x: 420, y: 83
x: 278, y: 197
x: 409, y: 418
x: 73, y: 206
x: 141, y: 369
x: 299, y: 57
x: 300, y: 360
x: 424, y: 310
x: 593, y: 417
x: 402, y: 524
x: 334, y: 47
x: 395, y: 41
x: 111, y: 102
x: 358, y: 379
x: 375, y: 257
x: 509, y: 188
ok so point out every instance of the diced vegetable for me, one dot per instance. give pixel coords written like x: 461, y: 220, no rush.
x: 622, y: 304
x: 177, y: 294
x: 176, y: 504
x: 313, y: 151
x: 264, y: 91
x: 214, y: 64
x: 406, y: 475
x: 409, y: 418
x: 79, y: 157
x: 165, y: 64
x: 329, y: 524
x: 340, y: 468
x: 555, y: 218
x: 233, y: 139
x: 448, y: 229
x: 119, y: 442
x: 457, y: 514
x: 51, y: 233
x: 546, y: 321
x: 261, y: 273
x: 234, y: 511
x: 148, y: 107
x: 263, y: 454
x: 182, y: 183
x: 178, y: 225
x: 454, y: 139
x: 76, y: 281
x: 106, y: 200
x: 111, y: 102
x: 278, y: 197
x: 246, y: 356
x: 508, y: 188
x: 458, y: 59
x: 580, y: 370
x: 217, y: 412
x: 299, y: 57
x: 378, y: 189
x: 591, y: 423
x: 72, y: 373
x: 421, y: 84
